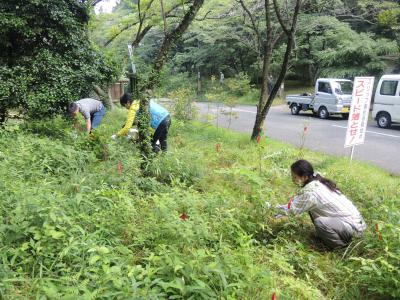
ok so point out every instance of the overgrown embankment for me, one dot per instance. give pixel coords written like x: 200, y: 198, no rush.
x: 79, y: 221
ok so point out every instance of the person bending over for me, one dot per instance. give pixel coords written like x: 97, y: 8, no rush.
x: 160, y: 121
x: 92, y: 110
x: 335, y: 217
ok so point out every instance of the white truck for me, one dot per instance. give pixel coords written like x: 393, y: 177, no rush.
x: 332, y: 96
x: 386, y: 108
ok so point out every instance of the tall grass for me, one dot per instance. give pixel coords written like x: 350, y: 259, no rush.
x: 80, y: 221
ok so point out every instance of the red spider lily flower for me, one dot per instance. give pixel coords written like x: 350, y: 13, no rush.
x: 258, y: 139
x: 273, y: 296
x: 218, y: 147
x: 290, y: 203
x: 119, y: 167
x: 184, y: 216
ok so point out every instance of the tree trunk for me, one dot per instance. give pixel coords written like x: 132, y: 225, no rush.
x: 154, y: 79
x: 143, y: 127
x: 263, y: 107
x: 104, y: 97
x: 163, y: 16
x: 258, y: 125
x: 309, y: 56
x: 267, y: 53
x: 169, y: 40
x: 140, y: 36
x: 3, y: 116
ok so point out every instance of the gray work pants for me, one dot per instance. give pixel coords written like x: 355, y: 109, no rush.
x: 333, y: 232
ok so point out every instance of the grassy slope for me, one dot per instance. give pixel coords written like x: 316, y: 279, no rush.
x: 76, y: 224
x: 252, y: 97
x: 216, y: 94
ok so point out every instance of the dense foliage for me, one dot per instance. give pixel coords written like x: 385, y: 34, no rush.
x: 330, y: 48
x: 79, y: 220
x: 343, y: 38
x: 46, y: 58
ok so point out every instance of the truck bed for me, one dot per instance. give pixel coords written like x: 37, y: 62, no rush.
x: 299, y: 99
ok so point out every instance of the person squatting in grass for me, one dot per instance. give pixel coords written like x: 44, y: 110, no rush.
x: 92, y: 110
x: 160, y: 121
x: 335, y: 217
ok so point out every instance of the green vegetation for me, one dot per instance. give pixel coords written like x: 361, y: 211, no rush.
x: 80, y: 221
x: 330, y: 48
x: 46, y: 58
x: 234, y: 90
x: 342, y: 38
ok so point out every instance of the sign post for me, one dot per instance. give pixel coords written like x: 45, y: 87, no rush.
x: 359, y: 112
x: 130, y: 50
x: 133, y: 81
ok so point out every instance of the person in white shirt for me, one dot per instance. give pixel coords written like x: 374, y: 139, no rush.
x: 91, y: 109
x: 335, y: 217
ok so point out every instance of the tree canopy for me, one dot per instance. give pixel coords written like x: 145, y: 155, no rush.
x: 341, y: 38
x: 46, y: 57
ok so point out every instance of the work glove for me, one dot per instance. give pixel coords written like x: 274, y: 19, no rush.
x: 133, y: 130
x: 283, y: 211
x: 133, y: 134
x: 267, y: 205
x: 282, y: 207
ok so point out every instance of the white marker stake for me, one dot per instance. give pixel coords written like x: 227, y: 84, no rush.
x: 352, y: 152
x: 130, y: 50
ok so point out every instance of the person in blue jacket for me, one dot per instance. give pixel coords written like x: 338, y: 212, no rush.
x: 160, y: 121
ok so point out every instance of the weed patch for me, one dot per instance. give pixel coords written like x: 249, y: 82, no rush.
x: 79, y: 220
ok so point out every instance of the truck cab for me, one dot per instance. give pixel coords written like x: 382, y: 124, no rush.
x: 332, y: 96
x: 386, y: 108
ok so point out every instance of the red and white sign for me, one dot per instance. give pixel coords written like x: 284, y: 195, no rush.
x: 359, y: 111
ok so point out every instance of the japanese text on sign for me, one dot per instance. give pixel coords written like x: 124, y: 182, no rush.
x: 359, y: 111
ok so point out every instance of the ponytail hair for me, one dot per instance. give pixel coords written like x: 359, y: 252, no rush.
x: 304, y: 168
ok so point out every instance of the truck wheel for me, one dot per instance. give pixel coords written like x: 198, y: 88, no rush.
x: 345, y: 116
x: 383, y: 120
x: 323, y: 113
x: 295, y: 109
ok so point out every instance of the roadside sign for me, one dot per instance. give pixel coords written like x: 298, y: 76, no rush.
x: 359, y: 111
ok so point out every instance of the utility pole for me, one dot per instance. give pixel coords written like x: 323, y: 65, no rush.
x: 198, y: 73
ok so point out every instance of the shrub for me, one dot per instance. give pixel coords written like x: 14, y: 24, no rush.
x: 46, y: 57
x: 58, y: 128
x: 179, y: 81
x: 183, y: 107
x: 239, y: 85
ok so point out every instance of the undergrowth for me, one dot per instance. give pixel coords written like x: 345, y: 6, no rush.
x: 79, y: 221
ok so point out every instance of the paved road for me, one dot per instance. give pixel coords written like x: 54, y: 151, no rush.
x: 382, y: 146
